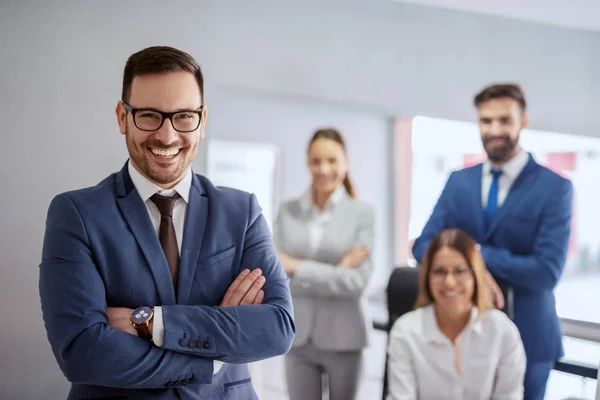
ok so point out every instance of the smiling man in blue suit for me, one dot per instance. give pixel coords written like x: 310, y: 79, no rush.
x: 520, y: 214
x: 155, y: 284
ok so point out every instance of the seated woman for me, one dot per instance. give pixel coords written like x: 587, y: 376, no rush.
x: 454, y: 345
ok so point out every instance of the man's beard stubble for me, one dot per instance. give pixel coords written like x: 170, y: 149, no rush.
x: 504, y: 153
x: 138, y: 157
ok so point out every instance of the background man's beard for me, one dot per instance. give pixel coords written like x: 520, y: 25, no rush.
x: 500, y: 155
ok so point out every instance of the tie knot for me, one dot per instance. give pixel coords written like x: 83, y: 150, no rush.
x: 165, y: 204
x: 496, y: 173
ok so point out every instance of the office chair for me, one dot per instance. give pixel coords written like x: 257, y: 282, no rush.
x: 402, y: 291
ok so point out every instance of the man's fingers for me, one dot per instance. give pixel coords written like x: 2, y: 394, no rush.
x: 260, y: 296
x: 236, y: 294
x: 499, y: 298
x: 234, y: 285
x: 250, y: 296
x: 242, y: 289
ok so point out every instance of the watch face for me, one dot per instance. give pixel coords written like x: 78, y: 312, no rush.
x: 141, y: 315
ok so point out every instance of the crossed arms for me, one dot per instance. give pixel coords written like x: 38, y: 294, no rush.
x: 91, y: 351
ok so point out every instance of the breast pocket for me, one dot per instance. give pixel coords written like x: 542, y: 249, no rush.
x: 213, y: 276
x: 240, y: 390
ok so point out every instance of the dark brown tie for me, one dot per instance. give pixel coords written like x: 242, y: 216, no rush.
x: 166, y: 232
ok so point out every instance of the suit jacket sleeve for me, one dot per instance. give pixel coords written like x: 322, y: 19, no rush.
x: 438, y: 221
x: 244, y: 333
x: 321, y: 279
x: 73, y: 300
x: 542, y: 269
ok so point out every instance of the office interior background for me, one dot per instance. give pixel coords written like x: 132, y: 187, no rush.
x: 395, y: 77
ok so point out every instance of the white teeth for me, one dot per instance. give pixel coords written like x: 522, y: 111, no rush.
x: 165, y: 153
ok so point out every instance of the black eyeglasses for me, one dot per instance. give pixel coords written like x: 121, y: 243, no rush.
x: 152, y: 120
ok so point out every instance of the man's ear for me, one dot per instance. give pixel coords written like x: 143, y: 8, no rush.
x: 203, y: 123
x: 524, y: 122
x: 121, y: 113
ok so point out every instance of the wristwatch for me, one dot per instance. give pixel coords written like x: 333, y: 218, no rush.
x: 140, y: 319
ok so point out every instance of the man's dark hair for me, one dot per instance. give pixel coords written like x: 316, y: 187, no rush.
x: 159, y: 59
x: 499, y: 91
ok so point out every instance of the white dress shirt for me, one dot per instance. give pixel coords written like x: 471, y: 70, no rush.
x: 422, y: 360
x: 146, y: 189
x: 318, y: 219
x: 510, y: 172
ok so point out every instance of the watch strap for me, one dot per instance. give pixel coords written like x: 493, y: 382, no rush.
x: 143, y: 331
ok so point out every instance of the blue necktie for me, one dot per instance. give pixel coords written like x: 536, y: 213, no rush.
x: 491, y: 208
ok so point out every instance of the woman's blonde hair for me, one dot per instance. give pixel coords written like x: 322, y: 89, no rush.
x: 460, y: 241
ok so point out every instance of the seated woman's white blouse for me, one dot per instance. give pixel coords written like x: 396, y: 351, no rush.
x: 422, y: 364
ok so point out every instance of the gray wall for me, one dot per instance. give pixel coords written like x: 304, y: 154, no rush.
x: 61, y: 65
x: 288, y: 124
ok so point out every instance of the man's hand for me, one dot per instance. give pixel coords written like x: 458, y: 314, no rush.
x: 353, y: 258
x: 494, y: 292
x: 120, y: 318
x: 289, y: 263
x: 245, y: 290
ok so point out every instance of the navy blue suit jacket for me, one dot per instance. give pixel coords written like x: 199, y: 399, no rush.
x: 101, y: 250
x: 525, y: 247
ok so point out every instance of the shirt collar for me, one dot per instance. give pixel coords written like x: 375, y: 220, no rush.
x: 432, y: 333
x: 146, y: 188
x: 512, y: 168
x: 306, y: 201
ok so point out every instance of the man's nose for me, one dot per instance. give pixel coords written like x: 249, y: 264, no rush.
x: 495, y: 128
x: 167, y: 133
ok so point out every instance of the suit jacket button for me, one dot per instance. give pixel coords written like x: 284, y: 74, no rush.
x: 191, y: 344
x: 206, y: 345
x: 183, y: 342
x: 169, y: 384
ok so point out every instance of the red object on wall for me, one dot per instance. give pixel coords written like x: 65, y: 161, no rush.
x: 564, y: 164
x: 473, y: 159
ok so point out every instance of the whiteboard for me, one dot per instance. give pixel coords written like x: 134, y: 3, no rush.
x: 246, y: 166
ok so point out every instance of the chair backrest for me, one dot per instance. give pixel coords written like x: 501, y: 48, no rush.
x: 402, y: 291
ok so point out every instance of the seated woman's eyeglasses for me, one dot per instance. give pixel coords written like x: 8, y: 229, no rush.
x: 152, y: 120
x: 460, y: 274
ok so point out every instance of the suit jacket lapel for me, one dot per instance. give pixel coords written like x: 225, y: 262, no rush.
x: 136, y: 214
x: 474, y: 193
x: 516, y: 192
x: 193, y: 236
